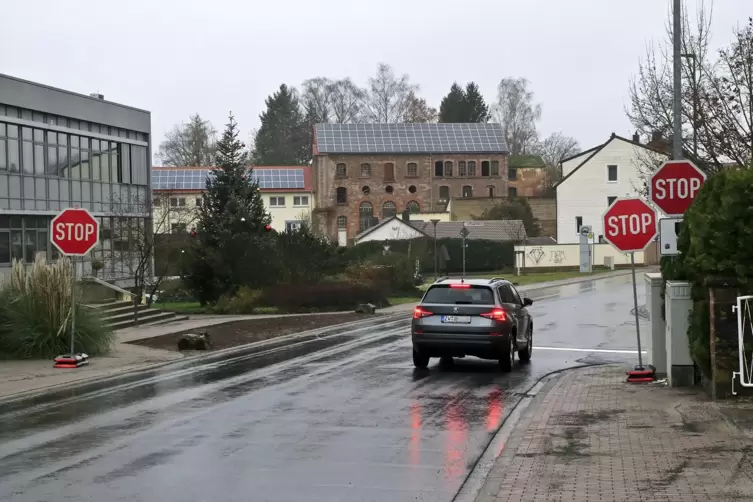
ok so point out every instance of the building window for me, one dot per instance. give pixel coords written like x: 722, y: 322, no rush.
x: 471, y: 168
x: 412, y: 169
x: 413, y: 207
x: 341, y: 171
x: 277, y: 202
x: 389, y: 189
x: 612, y: 174
x: 512, y: 174
x: 366, y: 190
x: 178, y: 228
x: 301, y: 201
x: 578, y: 223
x: 23, y: 238
x: 342, y: 222
x: 199, y: 201
x: 157, y: 201
x: 181, y: 201
x: 610, y: 200
x: 389, y: 171
x: 412, y: 189
x: 438, y: 169
x: 512, y: 192
x: 341, y: 195
x: 495, y: 168
x: 444, y: 192
x: 365, y: 170
x: 462, y: 171
x: 467, y: 191
x: 173, y: 202
x: 490, y: 189
x: 293, y: 225
x: 484, y: 168
x: 448, y: 168
x: 366, y: 213
x: 389, y: 209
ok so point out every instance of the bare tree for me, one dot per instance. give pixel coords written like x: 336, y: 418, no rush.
x: 553, y: 150
x: 418, y: 111
x: 651, y: 90
x: 388, y: 97
x: 517, y: 113
x: 647, y: 161
x: 316, y: 99
x: 727, y: 101
x: 189, y: 144
x: 347, y: 102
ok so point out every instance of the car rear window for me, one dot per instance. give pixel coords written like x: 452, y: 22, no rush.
x: 474, y: 295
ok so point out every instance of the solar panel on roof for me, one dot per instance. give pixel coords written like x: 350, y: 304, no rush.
x: 195, y: 179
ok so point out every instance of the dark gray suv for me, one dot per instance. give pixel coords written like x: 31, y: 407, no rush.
x: 485, y: 318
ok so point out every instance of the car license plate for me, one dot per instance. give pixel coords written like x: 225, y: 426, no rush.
x: 456, y: 319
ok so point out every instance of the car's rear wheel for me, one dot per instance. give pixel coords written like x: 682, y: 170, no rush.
x: 420, y: 360
x: 506, y: 361
x: 525, y: 354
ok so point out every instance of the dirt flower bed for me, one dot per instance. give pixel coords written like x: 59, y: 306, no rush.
x: 252, y: 330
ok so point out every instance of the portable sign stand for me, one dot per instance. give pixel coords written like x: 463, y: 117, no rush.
x: 630, y: 226
x: 74, y: 233
x: 464, y: 233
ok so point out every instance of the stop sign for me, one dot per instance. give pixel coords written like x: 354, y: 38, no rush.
x: 75, y: 232
x: 675, y: 185
x: 629, y: 225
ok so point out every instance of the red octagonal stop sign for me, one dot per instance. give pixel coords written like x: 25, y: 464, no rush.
x: 675, y: 185
x: 629, y: 225
x: 75, y: 232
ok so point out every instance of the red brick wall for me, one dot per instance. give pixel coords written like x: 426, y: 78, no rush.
x: 426, y: 185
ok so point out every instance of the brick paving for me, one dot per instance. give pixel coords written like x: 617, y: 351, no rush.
x: 589, y: 436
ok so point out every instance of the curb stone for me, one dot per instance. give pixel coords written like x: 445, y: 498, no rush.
x: 491, y: 480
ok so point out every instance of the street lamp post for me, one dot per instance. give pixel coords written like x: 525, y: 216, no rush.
x: 436, y: 262
x: 694, y: 83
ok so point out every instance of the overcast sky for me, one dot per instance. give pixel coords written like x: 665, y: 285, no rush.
x: 178, y: 57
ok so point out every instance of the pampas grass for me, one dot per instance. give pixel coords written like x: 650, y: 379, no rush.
x: 35, y: 314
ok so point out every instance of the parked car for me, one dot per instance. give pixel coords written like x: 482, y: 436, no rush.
x: 485, y: 318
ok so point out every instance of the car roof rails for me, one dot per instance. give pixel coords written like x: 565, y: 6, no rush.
x: 442, y: 279
x: 495, y: 279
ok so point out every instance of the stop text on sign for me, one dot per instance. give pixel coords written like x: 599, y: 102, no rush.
x: 623, y: 224
x: 74, y: 231
x: 676, y: 188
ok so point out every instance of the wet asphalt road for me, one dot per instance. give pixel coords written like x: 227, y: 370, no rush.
x: 349, y: 423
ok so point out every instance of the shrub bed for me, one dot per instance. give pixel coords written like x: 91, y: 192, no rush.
x: 326, y: 296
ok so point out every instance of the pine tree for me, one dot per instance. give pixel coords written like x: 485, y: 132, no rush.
x: 230, y: 244
x: 284, y: 137
x: 453, y: 105
x: 475, y: 107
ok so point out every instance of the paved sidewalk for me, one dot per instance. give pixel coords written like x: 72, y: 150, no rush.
x: 589, y: 436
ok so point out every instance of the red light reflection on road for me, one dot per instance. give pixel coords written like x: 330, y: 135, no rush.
x: 457, y: 429
x: 494, y: 409
x: 414, y: 447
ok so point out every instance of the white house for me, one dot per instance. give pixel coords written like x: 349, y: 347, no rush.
x: 593, y: 179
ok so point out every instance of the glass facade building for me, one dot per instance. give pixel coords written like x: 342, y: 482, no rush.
x: 60, y: 149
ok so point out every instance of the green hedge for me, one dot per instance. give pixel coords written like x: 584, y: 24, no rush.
x: 481, y: 255
x: 716, y: 240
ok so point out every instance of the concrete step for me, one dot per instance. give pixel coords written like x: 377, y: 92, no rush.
x: 167, y: 321
x: 145, y: 317
x: 113, y: 305
x: 112, y: 316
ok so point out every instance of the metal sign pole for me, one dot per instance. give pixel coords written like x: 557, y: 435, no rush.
x: 463, y: 256
x: 635, y: 304
x: 73, y: 306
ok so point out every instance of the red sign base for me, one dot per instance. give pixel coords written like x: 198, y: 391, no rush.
x: 71, y: 361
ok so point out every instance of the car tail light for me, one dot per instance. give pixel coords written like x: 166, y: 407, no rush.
x: 460, y: 286
x: 496, y: 315
x: 418, y: 313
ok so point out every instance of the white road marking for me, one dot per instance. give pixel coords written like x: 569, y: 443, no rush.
x: 609, y: 351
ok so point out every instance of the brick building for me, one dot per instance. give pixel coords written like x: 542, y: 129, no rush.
x: 364, y: 173
x: 526, y: 176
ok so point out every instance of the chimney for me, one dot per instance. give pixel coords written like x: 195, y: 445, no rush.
x: 636, y: 138
x: 656, y: 136
x: 97, y: 95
